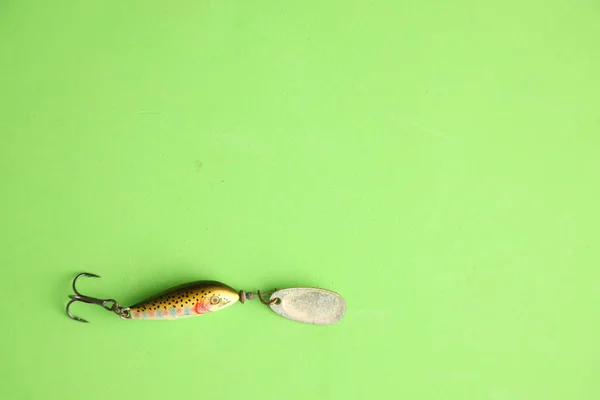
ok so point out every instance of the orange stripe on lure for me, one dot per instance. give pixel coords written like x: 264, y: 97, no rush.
x: 309, y: 305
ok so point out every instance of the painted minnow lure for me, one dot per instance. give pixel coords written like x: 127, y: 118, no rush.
x: 303, y: 304
x: 187, y: 300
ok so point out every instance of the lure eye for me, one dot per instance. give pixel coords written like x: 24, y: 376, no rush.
x: 214, y: 300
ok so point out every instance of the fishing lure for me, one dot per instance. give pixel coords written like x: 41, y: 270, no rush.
x: 303, y: 304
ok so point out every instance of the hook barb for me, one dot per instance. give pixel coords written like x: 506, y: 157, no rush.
x: 69, y: 311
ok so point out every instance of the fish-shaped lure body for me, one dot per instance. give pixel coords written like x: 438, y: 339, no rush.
x: 186, y: 300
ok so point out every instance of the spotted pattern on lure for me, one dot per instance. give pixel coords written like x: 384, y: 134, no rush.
x: 187, y: 300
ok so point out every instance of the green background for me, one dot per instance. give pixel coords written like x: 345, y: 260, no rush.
x: 435, y: 162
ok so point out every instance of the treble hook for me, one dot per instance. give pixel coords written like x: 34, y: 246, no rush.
x: 108, y: 304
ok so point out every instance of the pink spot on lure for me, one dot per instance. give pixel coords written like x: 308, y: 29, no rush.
x: 201, y: 308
